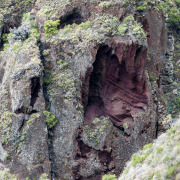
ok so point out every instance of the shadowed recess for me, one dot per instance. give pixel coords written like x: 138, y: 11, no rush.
x: 117, y: 84
x: 73, y: 17
x: 35, y: 89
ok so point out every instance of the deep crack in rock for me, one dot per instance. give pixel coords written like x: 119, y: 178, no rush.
x: 35, y: 89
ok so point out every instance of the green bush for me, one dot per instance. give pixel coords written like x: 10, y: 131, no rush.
x: 121, y: 28
x: 50, y: 27
x: 147, y: 146
x: 178, y: 2
x: 173, y: 20
x: 152, y: 78
x: 137, y: 159
x: 142, y: 7
x: 50, y: 119
x: 177, y: 101
x: 109, y: 177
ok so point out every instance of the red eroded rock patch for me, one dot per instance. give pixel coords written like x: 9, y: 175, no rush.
x: 117, y: 86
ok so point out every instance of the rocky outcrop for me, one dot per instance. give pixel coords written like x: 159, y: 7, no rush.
x: 79, y: 97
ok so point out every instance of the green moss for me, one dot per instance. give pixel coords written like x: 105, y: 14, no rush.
x: 171, y: 171
x: 173, y: 20
x: 97, y: 128
x: 128, y: 19
x: 6, y: 175
x: 35, y: 33
x: 5, y: 46
x: 44, y: 177
x: 152, y: 78
x: 178, y: 2
x: 172, y: 130
x: 138, y: 158
x: 96, y: 121
x: 50, y: 119
x: 166, y: 159
x: 85, y: 25
x: 121, y: 28
x: 125, y: 125
x: 177, y: 101
x: 142, y: 7
x: 17, y: 46
x: 7, y: 156
x: 159, y: 149
x: 50, y: 27
x: 109, y: 177
x: 147, y: 146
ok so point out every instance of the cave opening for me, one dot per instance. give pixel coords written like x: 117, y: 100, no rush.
x: 73, y: 17
x: 35, y: 89
x: 117, y: 85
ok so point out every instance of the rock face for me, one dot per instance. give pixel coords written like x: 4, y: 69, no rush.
x: 159, y: 160
x: 80, y: 97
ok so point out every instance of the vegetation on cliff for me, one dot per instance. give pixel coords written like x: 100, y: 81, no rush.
x: 48, y: 50
x: 160, y: 160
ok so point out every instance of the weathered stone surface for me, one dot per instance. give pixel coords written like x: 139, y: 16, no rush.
x: 79, y: 99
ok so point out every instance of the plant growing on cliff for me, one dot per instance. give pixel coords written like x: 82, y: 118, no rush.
x: 50, y: 119
x: 109, y: 177
x: 50, y: 27
x: 173, y: 20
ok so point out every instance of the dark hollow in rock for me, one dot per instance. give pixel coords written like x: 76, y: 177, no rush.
x: 73, y: 17
x: 83, y: 150
x: 1, y: 73
x: 117, y: 85
x: 6, y: 29
x: 105, y: 157
x: 35, y: 89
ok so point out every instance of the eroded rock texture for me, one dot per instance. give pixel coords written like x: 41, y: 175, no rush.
x: 117, y: 85
x: 78, y: 103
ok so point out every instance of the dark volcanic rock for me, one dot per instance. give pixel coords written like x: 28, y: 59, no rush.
x: 77, y: 103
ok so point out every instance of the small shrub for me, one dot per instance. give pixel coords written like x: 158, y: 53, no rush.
x: 178, y: 2
x: 173, y: 20
x: 177, y: 101
x: 22, y: 33
x: 50, y: 27
x: 35, y: 33
x: 171, y: 172
x: 5, y: 46
x: 25, y: 16
x: 50, y: 119
x: 159, y: 149
x: 109, y: 177
x: 128, y: 19
x: 125, y: 125
x: 121, y: 28
x: 4, y: 37
x: 85, y: 25
x: 7, y: 156
x: 166, y: 159
x: 142, y: 7
x: 152, y: 78
x: 15, y: 47
x: 137, y: 158
x: 147, y: 146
